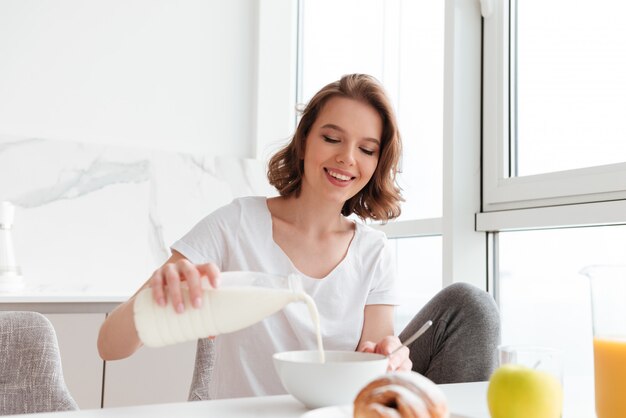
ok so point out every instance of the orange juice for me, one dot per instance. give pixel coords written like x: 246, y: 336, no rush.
x: 610, y: 377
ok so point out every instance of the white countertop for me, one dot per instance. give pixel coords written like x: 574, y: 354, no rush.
x: 66, y: 298
x: 60, y: 298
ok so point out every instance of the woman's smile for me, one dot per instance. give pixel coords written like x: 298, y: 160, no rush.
x: 339, y: 177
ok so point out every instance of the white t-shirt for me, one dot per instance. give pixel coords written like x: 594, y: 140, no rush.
x: 238, y: 237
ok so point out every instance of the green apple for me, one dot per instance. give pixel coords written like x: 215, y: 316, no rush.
x: 517, y: 391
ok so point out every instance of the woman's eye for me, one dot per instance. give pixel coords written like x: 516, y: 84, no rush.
x: 367, y: 151
x: 330, y: 140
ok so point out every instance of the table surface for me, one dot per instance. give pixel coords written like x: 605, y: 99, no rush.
x: 466, y: 400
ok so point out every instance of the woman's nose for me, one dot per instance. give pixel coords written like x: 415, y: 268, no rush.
x: 346, y: 156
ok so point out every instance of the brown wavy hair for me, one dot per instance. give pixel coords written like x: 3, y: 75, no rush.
x: 380, y: 198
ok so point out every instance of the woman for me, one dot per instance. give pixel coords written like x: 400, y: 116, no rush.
x: 342, y: 160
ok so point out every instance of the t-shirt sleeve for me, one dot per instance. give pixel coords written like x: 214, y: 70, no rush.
x: 383, y: 289
x: 207, y: 240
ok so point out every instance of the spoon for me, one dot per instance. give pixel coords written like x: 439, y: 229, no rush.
x: 413, y: 337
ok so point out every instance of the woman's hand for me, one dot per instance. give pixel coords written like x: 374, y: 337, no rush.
x: 166, y: 281
x: 398, y: 361
x: 378, y: 326
x: 118, y: 337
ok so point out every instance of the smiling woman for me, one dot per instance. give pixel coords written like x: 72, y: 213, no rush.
x: 305, y: 231
x: 342, y: 160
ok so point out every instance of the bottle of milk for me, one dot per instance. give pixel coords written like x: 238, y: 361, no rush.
x: 259, y: 294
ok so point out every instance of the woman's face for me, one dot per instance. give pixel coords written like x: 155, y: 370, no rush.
x: 342, y: 149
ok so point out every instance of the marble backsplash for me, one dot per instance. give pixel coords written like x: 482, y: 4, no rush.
x: 97, y: 220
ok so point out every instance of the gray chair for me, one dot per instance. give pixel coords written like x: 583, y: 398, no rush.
x: 31, y: 378
x: 205, y: 359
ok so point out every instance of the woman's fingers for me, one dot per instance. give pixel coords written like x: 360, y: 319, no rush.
x: 172, y: 280
x: 166, y: 283
x: 398, y: 360
x: 156, y: 284
x: 210, y: 271
x: 191, y: 275
x: 406, y: 366
x: 367, y: 347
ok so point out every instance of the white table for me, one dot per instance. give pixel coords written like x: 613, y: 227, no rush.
x: 466, y: 400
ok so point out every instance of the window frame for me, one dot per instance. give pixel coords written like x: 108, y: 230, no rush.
x: 504, y: 193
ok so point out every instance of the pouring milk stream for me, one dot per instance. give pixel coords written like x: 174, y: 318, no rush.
x: 221, y: 309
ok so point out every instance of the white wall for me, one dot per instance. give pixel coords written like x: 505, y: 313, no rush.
x: 108, y: 85
x: 165, y: 74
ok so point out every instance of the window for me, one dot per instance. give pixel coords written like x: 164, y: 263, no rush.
x: 570, y: 94
x: 559, y: 75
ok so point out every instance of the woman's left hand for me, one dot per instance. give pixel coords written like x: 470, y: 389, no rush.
x: 398, y: 361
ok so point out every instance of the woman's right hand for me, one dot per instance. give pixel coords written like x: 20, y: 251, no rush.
x: 166, y: 281
x: 118, y: 336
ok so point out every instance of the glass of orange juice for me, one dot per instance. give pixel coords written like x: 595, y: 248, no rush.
x: 608, y: 305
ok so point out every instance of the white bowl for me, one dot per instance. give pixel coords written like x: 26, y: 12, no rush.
x: 335, y: 382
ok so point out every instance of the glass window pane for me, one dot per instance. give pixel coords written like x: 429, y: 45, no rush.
x: 405, y: 52
x: 419, y: 275
x: 340, y: 37
x: 420, y: 107
x: 571, y: 84
x: 543, y: 298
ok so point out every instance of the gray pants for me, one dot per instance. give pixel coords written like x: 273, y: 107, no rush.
x: 461, y: 345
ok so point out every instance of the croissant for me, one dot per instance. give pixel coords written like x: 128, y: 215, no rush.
x: 401, y: 395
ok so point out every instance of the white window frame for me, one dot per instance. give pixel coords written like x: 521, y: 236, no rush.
x: 503, y: 193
